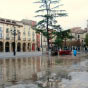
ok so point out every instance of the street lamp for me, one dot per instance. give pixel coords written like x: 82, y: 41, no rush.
x: 14, y: 34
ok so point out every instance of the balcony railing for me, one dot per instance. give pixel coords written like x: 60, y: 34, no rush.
x: 7, y: 38
x: 24, y: 39
x: 33, y: 39
x: 29, y: 39
x: 19, y: 38
x: 1, y: 38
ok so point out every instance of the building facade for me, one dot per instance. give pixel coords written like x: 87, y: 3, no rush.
x: 77, y: 42
x: 25, y: 37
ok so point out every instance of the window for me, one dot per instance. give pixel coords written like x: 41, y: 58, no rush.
x: 0, y: 32
x: 29, y: 38
x: 7, y: 30
x: 7, y: 37
x: 78, y: 36
x: 18, y: 31
x: 28, y: 33
x: 24, y: 33
x: 0, y: 29
x: 33, y: 36
x: 24, y: 39
x: 29, y: 27
x: 19, y: 38
x: 0, y: 35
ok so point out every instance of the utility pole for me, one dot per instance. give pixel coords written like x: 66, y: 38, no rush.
x: 47, y: 10
x: 47, y: 31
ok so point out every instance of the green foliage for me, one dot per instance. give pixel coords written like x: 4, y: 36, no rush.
x: 48, y: 9
x: 86, y: 39
x: 61, y: 36
x: 58, y: 42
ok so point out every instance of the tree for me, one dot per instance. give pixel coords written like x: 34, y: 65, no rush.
x: 86, y: 39
x: 62, y: 36
x: 50, y: 12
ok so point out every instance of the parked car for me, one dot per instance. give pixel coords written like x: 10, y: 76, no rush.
x: 65, y: 52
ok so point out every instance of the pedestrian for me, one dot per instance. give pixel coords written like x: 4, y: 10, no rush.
x: 75, y: 52
x: 38, y: 49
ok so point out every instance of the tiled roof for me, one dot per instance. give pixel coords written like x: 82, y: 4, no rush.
x: 9, y: 22
x: 77, y: 30
x: 28, y: 22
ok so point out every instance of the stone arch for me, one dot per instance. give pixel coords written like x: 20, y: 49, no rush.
x: 24, y: 47
x: 7, y: 47
x: 29, y: 46
x: 33, y: 46
x: 19, y: 47
x: 1, y: 46
x: 12, y: 46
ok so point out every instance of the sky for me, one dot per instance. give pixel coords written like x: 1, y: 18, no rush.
x: 25, y: 9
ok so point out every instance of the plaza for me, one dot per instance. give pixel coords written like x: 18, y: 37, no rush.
x: 43, y: 44
x: 33, y: 70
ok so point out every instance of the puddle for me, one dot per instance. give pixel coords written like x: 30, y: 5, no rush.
x: 24, y: 86
x: 26, y: 72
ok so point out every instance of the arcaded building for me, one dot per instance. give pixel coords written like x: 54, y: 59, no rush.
x: 25, y: 37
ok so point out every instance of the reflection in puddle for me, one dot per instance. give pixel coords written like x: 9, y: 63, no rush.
x: 29, y: 70
x: 24, y: 86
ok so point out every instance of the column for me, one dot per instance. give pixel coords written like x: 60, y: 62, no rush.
x: 26, y: 47
x: 31, y: 46
x: 10, y: 46
x: 4, y: 46
x: 16, y: 46
x: 35, y: 47
x: 21, y: 47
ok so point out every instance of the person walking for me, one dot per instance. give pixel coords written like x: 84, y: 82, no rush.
x: 75, y: 52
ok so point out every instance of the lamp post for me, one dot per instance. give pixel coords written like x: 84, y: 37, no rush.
x: 14, y: 34
x: 14, y: 42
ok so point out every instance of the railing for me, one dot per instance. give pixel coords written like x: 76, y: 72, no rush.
x: 19, y: 38
x: 24, y: 39
x: 7, y: 38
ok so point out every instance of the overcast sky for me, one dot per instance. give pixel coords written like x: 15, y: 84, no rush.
x: 25, y: 9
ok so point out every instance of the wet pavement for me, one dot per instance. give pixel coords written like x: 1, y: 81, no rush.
x: 44, y: 72
x: 19, y: 54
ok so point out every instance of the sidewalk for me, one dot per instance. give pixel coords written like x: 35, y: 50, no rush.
x: 19, y: 54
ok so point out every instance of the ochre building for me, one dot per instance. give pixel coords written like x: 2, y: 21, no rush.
x: 25, y: 36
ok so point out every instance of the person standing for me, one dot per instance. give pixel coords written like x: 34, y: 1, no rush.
x: 75, y: 52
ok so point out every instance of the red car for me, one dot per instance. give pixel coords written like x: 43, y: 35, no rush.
x: 65, y: 52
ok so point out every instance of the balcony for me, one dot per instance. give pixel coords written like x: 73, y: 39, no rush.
x: 29, y: 39
x: 1, y: 38
x: 33, y: 40
x: 24, y: 39
x: 19, y: 38
x: 7, y: 38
